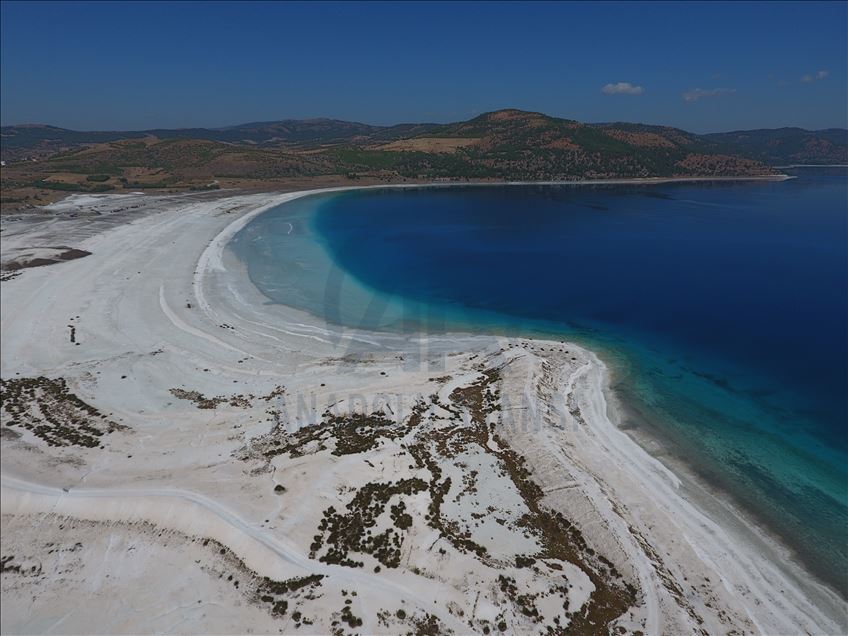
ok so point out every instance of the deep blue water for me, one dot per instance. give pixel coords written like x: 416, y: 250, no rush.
x: 723, y: 307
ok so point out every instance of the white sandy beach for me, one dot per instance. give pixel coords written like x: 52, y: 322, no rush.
x: 172, y: 520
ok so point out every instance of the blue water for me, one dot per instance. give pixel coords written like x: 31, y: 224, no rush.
x: 722, y: 307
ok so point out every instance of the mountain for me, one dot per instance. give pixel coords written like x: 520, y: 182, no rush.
x: 514, y: 144
x: 770, y: 146
x: 35, y: 140
x: 786, y: 146
x: 38, y: 140
x: 502, y: 145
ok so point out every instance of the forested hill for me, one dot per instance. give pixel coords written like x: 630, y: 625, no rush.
x: 502, y: 145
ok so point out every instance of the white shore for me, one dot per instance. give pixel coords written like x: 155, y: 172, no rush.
x: 152, y: 530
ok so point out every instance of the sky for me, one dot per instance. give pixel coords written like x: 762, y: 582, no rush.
x: 704, y: 67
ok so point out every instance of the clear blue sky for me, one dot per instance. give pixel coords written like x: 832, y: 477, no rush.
x: 101, y: 66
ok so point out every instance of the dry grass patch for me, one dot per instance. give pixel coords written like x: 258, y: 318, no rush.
x: 430, y: 144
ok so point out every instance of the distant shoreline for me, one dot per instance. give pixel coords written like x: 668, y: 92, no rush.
x: 650, y: 180
x: 343, y: 183
x: 346, y: 185
x: 813, y: 165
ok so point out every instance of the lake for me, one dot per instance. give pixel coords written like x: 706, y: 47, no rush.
x: 722, y: 308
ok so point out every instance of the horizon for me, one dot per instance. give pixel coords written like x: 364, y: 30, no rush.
x: 232, y: 63
x: 400, y: 123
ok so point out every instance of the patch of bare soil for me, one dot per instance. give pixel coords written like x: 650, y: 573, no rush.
x: 40, y: 256
x: 430, y: 144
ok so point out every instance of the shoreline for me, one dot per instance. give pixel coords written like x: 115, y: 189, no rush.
x: 708, y: 495
x: 300, y: 344
x: 813, y: 165
x: 647, y: 434
x: 699, y: 487
x: 68, y: 202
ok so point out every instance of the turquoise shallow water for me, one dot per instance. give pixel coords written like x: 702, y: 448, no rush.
x: 723, y: 308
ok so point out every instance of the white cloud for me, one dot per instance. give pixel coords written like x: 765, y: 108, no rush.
x: 809, y: 78
x: 699, y: 93
x: 622, y: 88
